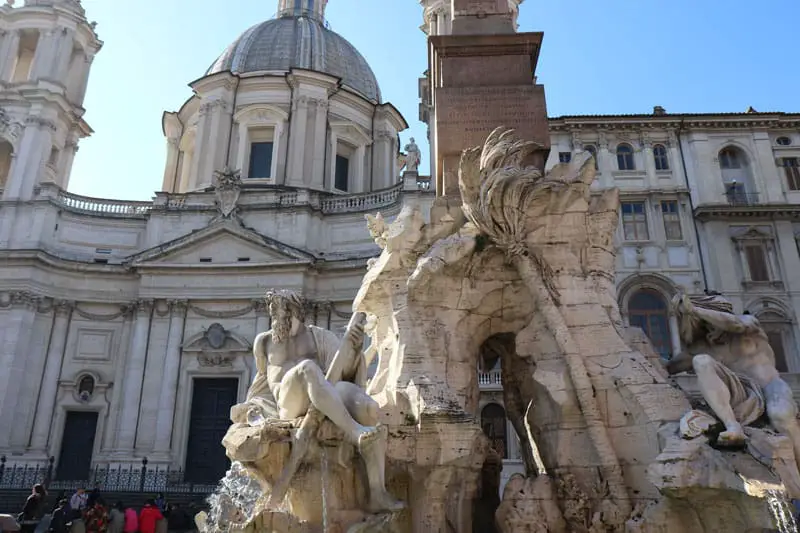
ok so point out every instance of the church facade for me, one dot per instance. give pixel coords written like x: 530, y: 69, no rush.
x: 126, y: 327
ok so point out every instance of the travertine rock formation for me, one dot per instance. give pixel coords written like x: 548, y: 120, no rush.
x: 523, y: 273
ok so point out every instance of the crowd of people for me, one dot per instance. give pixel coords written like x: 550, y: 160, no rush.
x: 87, y: 512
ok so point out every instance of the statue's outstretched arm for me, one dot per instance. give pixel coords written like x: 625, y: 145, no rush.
x: 727, y: 321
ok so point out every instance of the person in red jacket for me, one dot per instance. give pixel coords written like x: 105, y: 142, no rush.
x: 148, y: 517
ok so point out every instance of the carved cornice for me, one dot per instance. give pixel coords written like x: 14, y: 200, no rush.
x: 764, y: 211
x: 124, y: 310
x: 178, y: 306
x: 566, y: 124
x: 63, y: 307
x: 41, y: 123
x: 385, y: 135
x: 213, y: 104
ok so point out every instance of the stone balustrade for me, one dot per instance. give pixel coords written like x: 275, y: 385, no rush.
x: 326, y: 202
x: 492, y: 380
x: 102, y: 206
x: 361, y: 202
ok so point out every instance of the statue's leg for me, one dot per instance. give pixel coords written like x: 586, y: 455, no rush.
x: 782, y: 412
x: 306, y: 382
x: 718, y: 396
x: 365, y: 410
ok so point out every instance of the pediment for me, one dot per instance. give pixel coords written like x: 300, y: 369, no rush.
x: 224, y: 243
x: 751, y: 233
x: 215, y: 339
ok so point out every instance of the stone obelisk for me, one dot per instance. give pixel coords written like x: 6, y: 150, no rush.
x: 482, y: 76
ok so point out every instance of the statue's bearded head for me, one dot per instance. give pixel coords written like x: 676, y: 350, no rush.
x: 287, y: 310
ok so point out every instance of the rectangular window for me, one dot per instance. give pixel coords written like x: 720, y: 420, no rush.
x: 775, y: 339
x: 564, y: 157
x: 672, y: 220
x: 342, y: 173
x: 756, y: 256
x: 791, y: 168
x: 260, y: 160
x: 634, y: 221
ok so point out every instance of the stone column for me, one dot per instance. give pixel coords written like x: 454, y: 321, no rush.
x: 34, y: 147
x: 13, y: 351
x: 52, y: 372
x: 134, y: 374
x: 674, y: 335
x: 320, y: 124
x: 67, y: 159
x: 171, y: 178
x: 63, y: 56
x: 334, y: 143
x: 649, y: 163
x: 358, y: 184
x: 169, y: 381
x: 8, y: 54
x: 43, y: 56
x: 209, y: 159
x: 383, y: 166
x: 297, y: 149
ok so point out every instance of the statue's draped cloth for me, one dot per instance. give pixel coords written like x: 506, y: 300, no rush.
x: 259, y: 394
x: 747, y: 402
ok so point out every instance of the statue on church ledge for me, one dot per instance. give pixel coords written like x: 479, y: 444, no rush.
x: 307, y: 401
x: 735, y: 368
x: 413, y: 156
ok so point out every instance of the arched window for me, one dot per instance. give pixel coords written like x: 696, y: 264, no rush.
x: 493, y: 422
x: 6, y: 153
x: 647, y: 309
x: 730, y: 158
x: 736, y: 176
x: 625, y: 157
x: 660, y: 157
x: 592, y: 150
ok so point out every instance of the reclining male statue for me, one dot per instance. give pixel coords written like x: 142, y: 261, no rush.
x: 735, y: 368
x: 291, y: 361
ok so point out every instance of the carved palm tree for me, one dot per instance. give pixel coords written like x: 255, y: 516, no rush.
x: 500, y: 196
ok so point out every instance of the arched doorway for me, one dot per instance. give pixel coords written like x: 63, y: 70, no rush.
x: 647, y: 309
x: 493, y: 422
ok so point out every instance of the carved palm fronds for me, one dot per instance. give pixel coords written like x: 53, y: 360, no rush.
x: 499, y: 193
x: 504, y: 199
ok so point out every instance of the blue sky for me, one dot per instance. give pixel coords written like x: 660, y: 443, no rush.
x: 598, y: 57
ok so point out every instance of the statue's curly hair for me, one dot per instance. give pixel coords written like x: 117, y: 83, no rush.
x: 292, y: 299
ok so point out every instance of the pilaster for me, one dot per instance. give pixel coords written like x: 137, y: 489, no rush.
x: 8, y: 54
x: 320, y: 123
x: 18, y: 326
x: 169, y: 381
x: 34, y: 148
x: 45, y: 409
x: 297, y: 146
x: 134, y: 374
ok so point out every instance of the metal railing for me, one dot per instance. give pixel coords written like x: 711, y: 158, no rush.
x: 740, y: 198
x: 138, y: 477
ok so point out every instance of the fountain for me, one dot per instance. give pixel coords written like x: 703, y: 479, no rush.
x: 522, y: 272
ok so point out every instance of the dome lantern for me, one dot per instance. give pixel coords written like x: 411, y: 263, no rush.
x: 313, y: 9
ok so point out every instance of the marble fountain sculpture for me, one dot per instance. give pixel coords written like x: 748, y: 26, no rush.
x: 523, y: 273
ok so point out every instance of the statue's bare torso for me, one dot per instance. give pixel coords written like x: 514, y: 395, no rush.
x: 283, y: 357
x: 747, y: 353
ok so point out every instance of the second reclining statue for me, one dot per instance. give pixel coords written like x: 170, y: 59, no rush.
x: 306, y: 371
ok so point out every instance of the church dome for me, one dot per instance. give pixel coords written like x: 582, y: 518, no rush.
x: 302, y: 42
